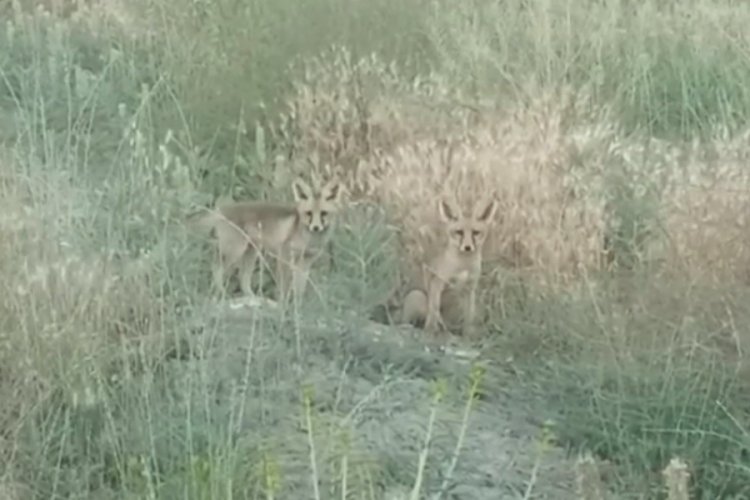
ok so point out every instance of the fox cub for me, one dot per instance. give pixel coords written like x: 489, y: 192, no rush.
x: 290, y: 233
x: 457, y: 265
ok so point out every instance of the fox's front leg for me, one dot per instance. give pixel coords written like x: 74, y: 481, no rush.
x: 247, y: 267
x: 434, y: 295
x: 283, y: 270
x: 470, y: 310
x: 300, y: 276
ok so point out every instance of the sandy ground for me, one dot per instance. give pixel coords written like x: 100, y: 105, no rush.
x: 378, y: 380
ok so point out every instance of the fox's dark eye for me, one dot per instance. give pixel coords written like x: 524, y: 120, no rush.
x: 475, y: 233
x: 309, y: 213
x: 459, y: 233
x: 323, y: 214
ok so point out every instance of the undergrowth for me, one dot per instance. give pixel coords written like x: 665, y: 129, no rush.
x: 613, y: 134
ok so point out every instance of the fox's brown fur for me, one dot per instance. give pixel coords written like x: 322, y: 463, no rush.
x: 290, y: 233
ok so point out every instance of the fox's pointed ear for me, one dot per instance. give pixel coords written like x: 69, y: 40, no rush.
x: 302, y: 190
x: 331, y: 191
x: 448, y: 210
x: 485, y: 209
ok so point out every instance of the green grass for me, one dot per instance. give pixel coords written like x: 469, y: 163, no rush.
x: 669, y: 68
x: 122, y: 382
x: 643, y: 387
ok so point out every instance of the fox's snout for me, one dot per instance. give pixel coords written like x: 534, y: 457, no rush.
x: 466, y: 241
x: 316, y: 222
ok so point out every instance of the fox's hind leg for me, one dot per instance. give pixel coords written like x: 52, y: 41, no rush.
x: 300, y: 276
x: 232, y: 247
x: 414, y: 308
x: 247, y: 267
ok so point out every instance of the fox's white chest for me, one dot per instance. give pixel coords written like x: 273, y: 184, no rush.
x: 455, y: 274
x: 460, y: 278
x: 453, y: 269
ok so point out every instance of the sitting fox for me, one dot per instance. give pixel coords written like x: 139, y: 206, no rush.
x: 457, y: 265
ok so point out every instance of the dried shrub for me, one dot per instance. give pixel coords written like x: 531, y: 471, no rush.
x: 96, y: 16
x: 576, y: 192
x: 705, y: 211
x: 676, y: 476
x: 588, y: 479
x: 61, y: 304
x: 342, y: 112
x: 551, y: 220
x: 403, y: 144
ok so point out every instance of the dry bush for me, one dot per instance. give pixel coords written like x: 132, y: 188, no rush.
x: 96, y: 15
x: 705, y: 211
x: 535, y: 160
x: 403, y: 144
x: 676, y: 477
x: 699, y: 196
x: 569, y: 180
x: 63, y: 309
x: 63, y: 8
x: 341, y: 112
x: 588, y: 478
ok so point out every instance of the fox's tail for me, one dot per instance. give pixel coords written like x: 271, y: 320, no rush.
x: 206, y: 218
x: 203, y: 220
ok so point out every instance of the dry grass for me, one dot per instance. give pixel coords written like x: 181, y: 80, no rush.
x: 568, y: 179
x: 68, y: 313
x: 650, y: 234
x: 343, y: 111
x: 705, y: 213
x: 62, y: 302
x: 561, y: 170
x: 403, y: 148
x: 548, y: 224
x: 588, y: 479
x: 676, y: 476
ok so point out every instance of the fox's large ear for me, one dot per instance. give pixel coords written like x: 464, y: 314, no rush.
x: 485, y: 209
x: 331, y: 191
x: 448, y: 210
x: 302, y: 190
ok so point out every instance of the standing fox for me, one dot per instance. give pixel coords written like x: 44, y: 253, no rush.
x: 291, y: 233
x: 458, y: 266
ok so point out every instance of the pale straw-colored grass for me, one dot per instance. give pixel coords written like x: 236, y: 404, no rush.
x: 566, y: 176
